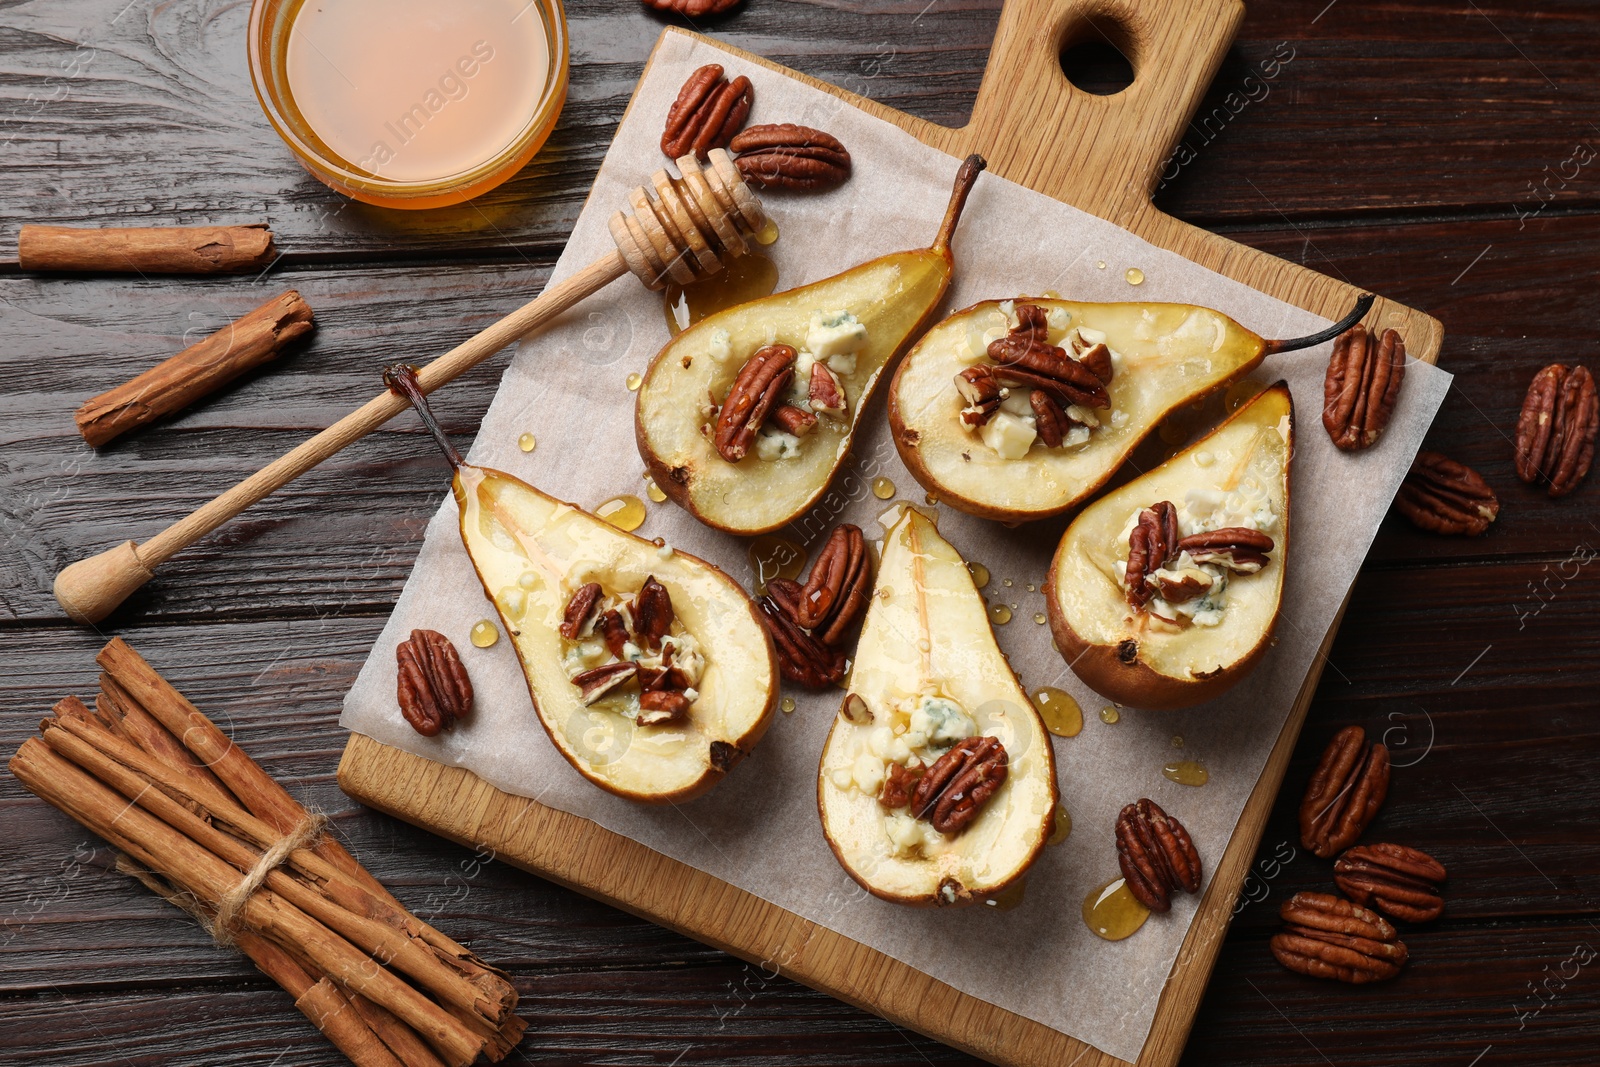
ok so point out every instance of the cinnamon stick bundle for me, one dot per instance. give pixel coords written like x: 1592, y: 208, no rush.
x: 147, y: 250
x: 202, y: 824
x: 197, y: 371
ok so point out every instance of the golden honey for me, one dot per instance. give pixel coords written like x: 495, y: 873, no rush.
x: 1061, y: 829
x: 625, y: 512
x: 999, y: 614
x: 1112, y: 912
x: 980, y: 574
x: 882, y: 488
x: 1109, y: 714
x: 1135, y: 276
x: 745, y: 278
x: 1060, y: 711
x: 484, y: 634
x: 410, y: 103
x: 527, y: 442
x: 1186, y: 772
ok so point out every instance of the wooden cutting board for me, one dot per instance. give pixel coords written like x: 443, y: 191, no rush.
x: 1102, y: 154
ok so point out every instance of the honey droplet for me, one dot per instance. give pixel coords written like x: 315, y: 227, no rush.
x: 999, y: 614
x: 633, y: 383
x: 931, y: 499
x: 882, y: 488
x: 980, y: 574
x: 527, y: 442
x: 653, y: 491
x: 1010, y: 897
x: 1112, y: 912
x: 772, y: 557
x: 749, y: 277
x: 1240, y: 393
x: 1135, y: 276
x: 1186, y: 772
x: 625, y: 512
x: 1038, y: 617
x: 1109, y: 714
x: 1060, y: 711
x: 1031, y: 589
x: 1177, y: 742
x: 484, y: 633
x: 1101, y: 264
x: 1062, y: 828
x: 768, y: 232
x: 787, y: 704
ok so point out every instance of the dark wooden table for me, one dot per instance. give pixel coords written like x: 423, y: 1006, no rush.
x: 1440, y: 153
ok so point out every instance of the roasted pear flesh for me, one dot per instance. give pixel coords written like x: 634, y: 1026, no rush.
x: 648, y: 668
x: 746, y: 416
x: 1164, y: 592
x: 937, y: 782
x: 1017, y: 439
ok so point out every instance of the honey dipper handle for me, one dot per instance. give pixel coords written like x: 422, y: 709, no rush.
x: 91, y: 588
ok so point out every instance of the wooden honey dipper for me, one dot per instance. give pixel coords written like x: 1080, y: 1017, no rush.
x: 686, y: 232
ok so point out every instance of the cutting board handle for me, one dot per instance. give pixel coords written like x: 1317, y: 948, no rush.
x: 1029, y: 117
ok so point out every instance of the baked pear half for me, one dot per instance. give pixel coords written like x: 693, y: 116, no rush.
x: 649, y: 668
x: 745, y: 417
x: 1022, y: 409
x: 937, y: 784
x: 1164, y: 592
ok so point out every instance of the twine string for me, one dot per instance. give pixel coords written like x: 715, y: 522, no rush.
x: 308, y: 832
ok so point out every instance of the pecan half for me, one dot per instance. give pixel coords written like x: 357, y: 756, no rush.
x: 787, y: 156
x: 652, y: 613
x: 1191, y: 583
x: 1332, y: 938
x: 693, y: 9
x: 835, y: 593
x: 1051, y: 422
x: 1097, y: 357
x: 615, y: 632
x: 708, y: 112
x: 432, y: 686
x: 579, y: 609
x: 1037, y: 365
x: 1345, y: 792
x: 982, y: 392
x: 1401, y: 882
x: 1235, y: 547
x: 959, y: 783
x: 825, y: 391
x: 802, y: 659
x: 1556, y: 430
x: 1364, y: 377
x: 596, y: 682
x: 754, y: 393
x: 1446, y: 497
x: 1153, y: 541
x: 899, y: 782
x: 1156, y: 855
x: 659, y: 706
x: 791, y: 419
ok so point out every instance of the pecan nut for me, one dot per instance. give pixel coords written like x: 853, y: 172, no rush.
x: 692, y: 9
x: 787, y: 156
x: 825, y: 391
x: 899, y: 782
x: 802, y: 659
x: 660, y: 706
x: 836, y: 591
x: 652, y: 613
x: 1156, y: 855
x: 708, y: 112
x: 1346, y: 790
x: 1556, y: 430
x: 1024, y: 354
x: 1446, y: 497
x: 1364, y: 377
x: 1051, y: 421
x: 596, y: 682
x: 432, y: 686
x: 614, y: 631
x: 756, y: 389
x: 1398, y: 881
x: 1327, y: 937
x: 1153, y: 541
x: 793, y: 420
x: 959, y: 783
x: 579, y: 610
x: 1235, y: 547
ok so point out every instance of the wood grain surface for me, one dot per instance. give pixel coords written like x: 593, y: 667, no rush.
x: 1405, y: 147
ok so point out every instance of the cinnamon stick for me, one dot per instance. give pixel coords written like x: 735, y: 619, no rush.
x: 147, y: 250
x: 197, y: 371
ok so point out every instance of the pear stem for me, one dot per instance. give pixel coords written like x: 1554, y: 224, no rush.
x: 401, y: 378
x: 966, y: 177
x: 1357, y: 313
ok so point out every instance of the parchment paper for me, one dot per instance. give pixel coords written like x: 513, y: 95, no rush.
x: 758, y: 829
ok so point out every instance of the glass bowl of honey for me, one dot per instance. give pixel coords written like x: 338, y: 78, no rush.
x: 410, y: 103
